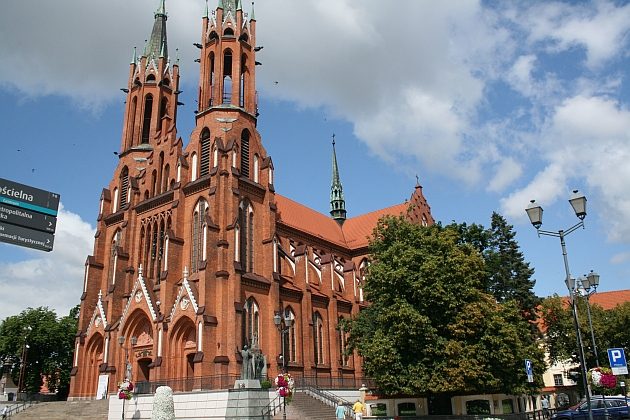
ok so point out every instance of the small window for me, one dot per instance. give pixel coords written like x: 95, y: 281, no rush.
x: 228, y: 32
x: 557, y: 379
x: 151, y: 78
x: 406, y: 409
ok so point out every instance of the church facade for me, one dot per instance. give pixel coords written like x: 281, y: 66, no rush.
x: 195, y: 252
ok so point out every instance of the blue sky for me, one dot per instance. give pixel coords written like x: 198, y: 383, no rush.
x: 491, y: 104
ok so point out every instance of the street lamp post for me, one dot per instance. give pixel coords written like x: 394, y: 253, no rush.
x: 284, y: 326
x: 25, y: 348
x: 588, y: 286
x: 121, y: 341
x: 534, y: 212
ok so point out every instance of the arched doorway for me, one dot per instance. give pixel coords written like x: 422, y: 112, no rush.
x: 93, y: 361
x: 183, y: 346
x: 140, y: 351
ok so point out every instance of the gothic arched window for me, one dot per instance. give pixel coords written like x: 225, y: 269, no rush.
x: 318, y: 335
x: 290, y: 338
x: 113, y: 255
x: 246, y: 236
x: 204, y: 166
x: 124, y: 187
x: 146, y: 123
x: 227, y: 77
x: 241, y: 101
x: 211, y: 79
x: 342, y: 339
x: 245, y: 153
x: 199, y: 234
x: 251, y: 323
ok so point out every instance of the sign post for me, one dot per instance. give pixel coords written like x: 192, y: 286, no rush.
x: 28, y: 216
x: 617, y: 359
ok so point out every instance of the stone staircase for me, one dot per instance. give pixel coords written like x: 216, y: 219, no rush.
x: 65, y: 410
x: 305, y: 407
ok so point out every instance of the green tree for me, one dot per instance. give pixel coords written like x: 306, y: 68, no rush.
x: 46, y: 342
x: 507, y: 275
x: 431, y: 327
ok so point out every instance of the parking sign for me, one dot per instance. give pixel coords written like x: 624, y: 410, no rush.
x: 529, y: 370
x: 617, y: 359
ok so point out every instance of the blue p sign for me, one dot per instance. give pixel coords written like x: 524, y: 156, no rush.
x: 617, y: 359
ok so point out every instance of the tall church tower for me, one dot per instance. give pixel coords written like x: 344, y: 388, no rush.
x: 337, y: 202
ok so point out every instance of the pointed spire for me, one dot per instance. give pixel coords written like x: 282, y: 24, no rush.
x: 206, y: 13
x: 239, y: 6
x: 253, y: 16
x: 220, y: 6
x: 157, y: 45
x: 134, y: 58
x: 161, y: 8
x: 337, y: 202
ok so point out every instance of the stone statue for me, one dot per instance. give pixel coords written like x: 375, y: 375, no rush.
x: 246, y: 370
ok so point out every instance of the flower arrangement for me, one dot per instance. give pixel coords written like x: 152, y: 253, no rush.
x: 163, y: 406
x: 124, y: 390
x: 602, y: 377
x: 285, y: 384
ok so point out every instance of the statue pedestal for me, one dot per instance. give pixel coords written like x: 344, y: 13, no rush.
x: 247, y: 384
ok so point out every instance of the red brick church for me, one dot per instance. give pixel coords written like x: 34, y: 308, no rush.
x: 195, y: 252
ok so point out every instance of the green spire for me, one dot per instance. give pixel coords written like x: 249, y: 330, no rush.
x: 220, y: 6
x: 253, y: 16
x: 157, y: 45
x: 134, y: 58
x: 239, y: 6
x: 337, y: 202
x: 206, y: 13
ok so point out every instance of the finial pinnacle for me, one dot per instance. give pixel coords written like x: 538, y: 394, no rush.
x: 333, y: 139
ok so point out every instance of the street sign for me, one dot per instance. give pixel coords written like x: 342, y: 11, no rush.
x: 529, y: 370
x: 27, y: 218
x: 30, y: 198
x: 617, y: 359
x: 29, y: 238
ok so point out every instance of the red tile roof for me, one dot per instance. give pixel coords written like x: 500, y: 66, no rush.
x: 354, y: 234
x: 608, y: 300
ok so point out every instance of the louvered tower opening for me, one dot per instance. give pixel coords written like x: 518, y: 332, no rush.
x: 245, y: 154
x: 205, y: 153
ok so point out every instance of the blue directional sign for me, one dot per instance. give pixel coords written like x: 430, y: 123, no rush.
x: 529, y: 370
x: 30, y: 198
x: 617, y: 359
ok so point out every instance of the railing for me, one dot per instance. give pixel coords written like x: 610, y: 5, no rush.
x: 200, y: 383
x: 330, y: 399
x: 17, y: 407
x: 333, y: 382
x: 272, y: 408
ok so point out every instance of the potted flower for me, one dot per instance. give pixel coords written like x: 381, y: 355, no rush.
x: 125, y: 389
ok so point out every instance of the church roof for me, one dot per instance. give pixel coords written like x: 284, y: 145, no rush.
x: 354, y: 233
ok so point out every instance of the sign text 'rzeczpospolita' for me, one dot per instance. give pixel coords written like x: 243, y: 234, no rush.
x: 28, y: 215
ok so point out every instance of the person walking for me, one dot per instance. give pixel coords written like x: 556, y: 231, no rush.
x: 340, y: 411
x: 5, y: 412
x: 357, y: 408
x: 544, y: 403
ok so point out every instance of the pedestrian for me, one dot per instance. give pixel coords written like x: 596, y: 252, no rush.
x: 5, y: 412
x: 544, y: 402
x: 340, y: 411
x: 357, y: 408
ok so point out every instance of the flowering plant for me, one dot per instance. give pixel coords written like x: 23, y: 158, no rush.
x: 163, y: 406
x: 124, y: 390
x: 285, y: 384
x: 602, y: 377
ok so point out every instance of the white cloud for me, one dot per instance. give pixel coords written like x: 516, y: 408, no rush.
x: 620, y: 258
x: 49, y: 279
x: 599, y: 27
x: 586, y: 141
